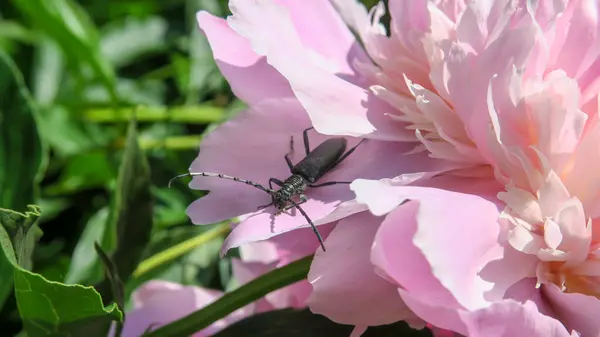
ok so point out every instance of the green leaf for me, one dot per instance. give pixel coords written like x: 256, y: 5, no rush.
x: 180, y: 249
x: 85, y: 266
x: 52, y: 207
x: 171, y: 206
x: 50, y: 308
x: 248, y: 293
x: 48, y: 71
x: 68, y: 24
x: 121, y: 43
x: 68, y: 136
x: 132, y: 92
x: 202, y: 71
x: 112, y: 274
x: 15, y: 31
x: 55, y: 309
x: 90, y: 169
x: 21, y: 232
x: 301, y: 323
x: 131, y: 220
x: 21, y: 151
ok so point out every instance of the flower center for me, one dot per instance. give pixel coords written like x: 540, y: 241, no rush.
x: 569, y: 280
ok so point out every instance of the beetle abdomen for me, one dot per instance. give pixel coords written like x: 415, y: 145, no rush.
x: 321, y: 159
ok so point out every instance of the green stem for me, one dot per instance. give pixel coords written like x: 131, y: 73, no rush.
x: 250, y: 292
x: 179, y: 249
x: 194, y: 114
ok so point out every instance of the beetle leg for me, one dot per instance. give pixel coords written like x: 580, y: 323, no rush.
x: 303, y: 199
x: 287, y: 156
x: 289, y: 162
x: 271, y: 182
x: 305, y: 136
x: 264, y: 206
x: 275, y: 181
x: 312, y: 225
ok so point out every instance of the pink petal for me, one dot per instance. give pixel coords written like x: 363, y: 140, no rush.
x: 577, y: 311
x: 279, y: 251
x: 263, y: 252
x: 413, y: 21
x: 355, y: 15
x: 244, y: 272
x: 524, y: 290
x: 160, y: 302
x: 437, y: 332
x: 263, y: 225
x: 321, y: 29
x: 328, y: 95
x: 469, y: 242
x: 579, y: 56
x: 358, y: 331
x: 142, y: 295
x: 395, y: 254
x: 285, y: 248
x: 512, y: 268
x: 468, y: 76
x: 525, y: 241
x: 240, y: 65
x: 509, y: 318
x: 299, y: 243
x: 292, y: 296
x: 575, y: 48
x: 580, y: 174
x: 346, y: 288
x: 527, y: 290
x: 556, y: 116
x: 471, y: 269
x: 437, y: 313
x: 304, y: 27
x: 383, y: 196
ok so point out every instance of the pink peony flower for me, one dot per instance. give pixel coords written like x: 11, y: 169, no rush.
x: 480, y: 173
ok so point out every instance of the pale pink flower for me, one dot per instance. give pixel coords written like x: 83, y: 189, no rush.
x: 157, y: 303
x: 481, y: 169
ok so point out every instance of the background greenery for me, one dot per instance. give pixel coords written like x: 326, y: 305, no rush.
x: 73, y: 74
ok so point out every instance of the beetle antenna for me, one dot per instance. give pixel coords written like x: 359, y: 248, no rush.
x: 222, y: 176
x: 312, y: 225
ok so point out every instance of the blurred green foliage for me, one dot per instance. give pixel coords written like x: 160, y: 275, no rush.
x: 91, y: 66
x: 103, y: 101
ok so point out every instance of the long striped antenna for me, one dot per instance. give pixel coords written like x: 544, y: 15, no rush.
x: 312, y: 225
x: 260, y: 187
x: 222, y: 176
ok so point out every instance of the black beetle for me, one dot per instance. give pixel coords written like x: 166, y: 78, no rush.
x: 305, y: 173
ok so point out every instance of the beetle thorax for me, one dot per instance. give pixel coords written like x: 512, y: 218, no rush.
x: 292, y: 186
